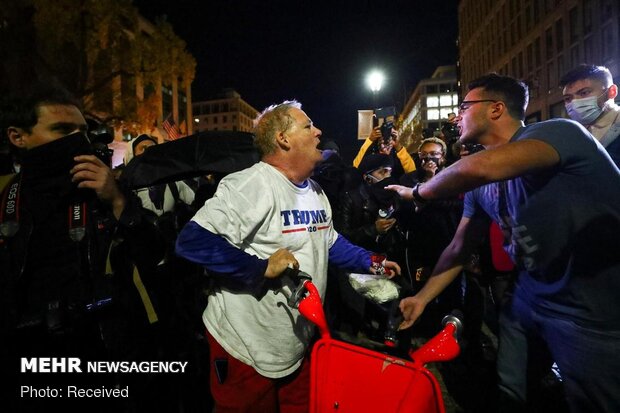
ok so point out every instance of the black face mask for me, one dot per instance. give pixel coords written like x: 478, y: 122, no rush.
x: 47, y: 166
x: 383, y: 197
x: 430, y: 158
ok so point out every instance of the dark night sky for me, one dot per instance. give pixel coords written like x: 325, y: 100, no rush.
x: 313, y: 51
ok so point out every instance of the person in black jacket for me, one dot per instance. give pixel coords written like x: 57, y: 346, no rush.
x: 367, y: 216
x: 74, y: 255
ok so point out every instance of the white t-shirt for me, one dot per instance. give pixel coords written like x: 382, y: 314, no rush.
x: 258, y: 210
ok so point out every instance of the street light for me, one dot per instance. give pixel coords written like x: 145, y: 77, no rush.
x: 374, y: 80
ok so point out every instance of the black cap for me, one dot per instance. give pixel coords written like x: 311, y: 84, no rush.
x: 141, y: 138
x: 374, y: 161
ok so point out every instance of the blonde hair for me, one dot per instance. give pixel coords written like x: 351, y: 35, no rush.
x: 437, y: 141
x: 270, y: 122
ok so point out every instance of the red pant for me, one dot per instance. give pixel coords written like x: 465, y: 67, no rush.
x: 244, y: 390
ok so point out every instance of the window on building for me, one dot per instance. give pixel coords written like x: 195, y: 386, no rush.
x: 549, y: 43
x: 607, y: 9
x: 432, y: 101
x: 559, y: 36
x: 528, y: 18
x: 529, y: 55
x: 561, y: 66
x: 445, y: 100
x: 588, y: 48
x: 224, y: 107
x: 557, y: 110
x: 551, y: 76
x: 533, y: 118
x: 443, y: 113
x: 432, y: 114
x: 574, y: 56
x: 608, y: 41
x: 224, y: 119
x: 537, y: 53
x: 587, y: 16
x: 573, y: 25
x: 215, y: 120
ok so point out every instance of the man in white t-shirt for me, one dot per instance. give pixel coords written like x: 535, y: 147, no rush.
x: 261, y: 221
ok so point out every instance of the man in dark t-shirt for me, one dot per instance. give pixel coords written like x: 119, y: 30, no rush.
x: 555, y: 193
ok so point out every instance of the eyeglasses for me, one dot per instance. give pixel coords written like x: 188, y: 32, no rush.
x: 467, y: 103
x: 434, y: 154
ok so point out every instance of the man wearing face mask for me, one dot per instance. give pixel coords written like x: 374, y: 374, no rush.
x: 366, y: 216
x: 589, y: 95
x: 62, y: 293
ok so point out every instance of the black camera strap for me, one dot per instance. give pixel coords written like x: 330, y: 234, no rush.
x: 10, y: 212
x: 77, y: 220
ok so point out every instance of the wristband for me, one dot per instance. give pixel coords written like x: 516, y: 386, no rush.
x: 415, y: 192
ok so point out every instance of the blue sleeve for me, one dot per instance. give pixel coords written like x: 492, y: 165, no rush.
x: 217, y: 255
x: 469, y: 205
x: 347, y: 256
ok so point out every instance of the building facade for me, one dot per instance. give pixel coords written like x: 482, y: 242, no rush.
x: 227, y: 112
x: 130, y: 74
x: 538, y: 41
x: 430, y: 103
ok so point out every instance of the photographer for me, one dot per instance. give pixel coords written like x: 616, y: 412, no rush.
x: 386, y: 141
x: 62, y: 292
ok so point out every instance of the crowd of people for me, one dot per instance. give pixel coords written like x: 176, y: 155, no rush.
x: 516, y: 230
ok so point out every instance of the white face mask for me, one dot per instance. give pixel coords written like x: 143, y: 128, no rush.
x: 584, y: 111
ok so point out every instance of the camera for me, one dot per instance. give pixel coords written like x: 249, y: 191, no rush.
x: 99, y: 138
x: 385, y: 119
x: 386, y: 131
x: 450, y: 131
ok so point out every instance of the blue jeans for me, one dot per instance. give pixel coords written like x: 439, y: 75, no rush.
x: 587, y: 357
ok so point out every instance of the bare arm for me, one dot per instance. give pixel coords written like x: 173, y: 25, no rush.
x: 467, y: 237
x: 497, y: 164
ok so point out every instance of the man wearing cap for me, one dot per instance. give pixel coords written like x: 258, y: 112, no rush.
x: 366, y: 212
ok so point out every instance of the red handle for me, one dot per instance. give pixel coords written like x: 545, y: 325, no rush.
x: 442, y: 347
x: 311, y: 307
